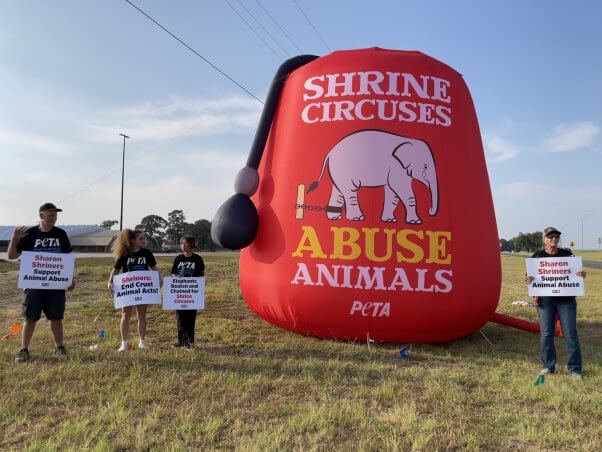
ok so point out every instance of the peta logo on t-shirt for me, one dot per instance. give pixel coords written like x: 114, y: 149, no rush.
x: 47, y: 243
x: 186, y: 266
x: 136, y: 261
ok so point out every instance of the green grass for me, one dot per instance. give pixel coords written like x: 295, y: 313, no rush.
x: 589, y: 255
x: 252, y: 386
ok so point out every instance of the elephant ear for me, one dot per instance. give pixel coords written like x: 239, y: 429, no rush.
x: 402, y: 156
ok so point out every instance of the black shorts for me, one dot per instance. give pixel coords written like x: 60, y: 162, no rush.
x: 51, y: 302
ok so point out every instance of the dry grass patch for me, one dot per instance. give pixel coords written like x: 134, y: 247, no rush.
x: 252, y: 386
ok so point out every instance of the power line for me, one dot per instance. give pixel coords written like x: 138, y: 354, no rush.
x: 156, y: 148
x: 141, y: 156
x: 267, y: 44
x: 279, y: 27
x: 312, y: 25
x: 263, y: 28
x: 196, y: 53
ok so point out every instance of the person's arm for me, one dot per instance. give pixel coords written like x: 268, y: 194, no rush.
x: 18, y: 234
x: 114, y: 272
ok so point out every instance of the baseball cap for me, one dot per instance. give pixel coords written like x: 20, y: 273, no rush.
x: 551, y: 230
x: 49, y: 207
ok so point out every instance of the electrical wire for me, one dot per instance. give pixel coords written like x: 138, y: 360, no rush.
x: 263, y: 28
x: 165, y: 143
x: 195, y: 52
x: 312, y: 25
x: 141, y: 156
x: 267, y: 44
x: 279, y: 27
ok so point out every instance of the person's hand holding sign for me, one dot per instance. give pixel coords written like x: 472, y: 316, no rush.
x: 529, y: 279
x: 581, y: 274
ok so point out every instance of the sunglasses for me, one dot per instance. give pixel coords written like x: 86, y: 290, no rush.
x: 552, y: 236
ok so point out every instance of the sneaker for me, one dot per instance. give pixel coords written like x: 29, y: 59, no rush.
x: 125, y: 346
x: 23, y: 356
x: 546, y: 371
x: 576, y: 375
x: 142, y: 344
x: 60, y: 352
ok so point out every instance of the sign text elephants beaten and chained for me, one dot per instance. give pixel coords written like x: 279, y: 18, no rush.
x: 183, y: 293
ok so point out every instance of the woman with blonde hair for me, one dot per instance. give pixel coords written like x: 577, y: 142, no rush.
x: 131, y: 255
x: 563, y: 307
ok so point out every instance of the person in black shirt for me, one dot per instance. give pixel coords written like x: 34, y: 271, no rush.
x: 566, y: 309
x: 131, y: 254
x: 44, y: 238
x: 187, y: 265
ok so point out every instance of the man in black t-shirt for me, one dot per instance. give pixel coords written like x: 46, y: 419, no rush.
x: 44, y: 238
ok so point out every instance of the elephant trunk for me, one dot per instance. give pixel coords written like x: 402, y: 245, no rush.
x: 432, y: 184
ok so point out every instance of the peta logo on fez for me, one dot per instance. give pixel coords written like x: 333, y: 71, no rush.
x: 46, y: 243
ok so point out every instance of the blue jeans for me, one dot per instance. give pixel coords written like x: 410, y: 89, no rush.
x: 547, y: 309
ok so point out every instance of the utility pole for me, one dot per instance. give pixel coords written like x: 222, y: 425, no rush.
x: 583, y: 218
x: 122, y: 180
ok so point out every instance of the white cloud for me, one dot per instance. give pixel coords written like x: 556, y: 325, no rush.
x: 158, y: 121
x: 26, y: 142
x: 531, y: 206
x: 498, y: 149
x: 571, y: 137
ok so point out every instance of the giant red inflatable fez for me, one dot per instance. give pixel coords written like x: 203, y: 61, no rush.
x: 371, y: 213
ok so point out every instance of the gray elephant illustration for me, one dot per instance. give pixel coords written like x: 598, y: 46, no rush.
x: 373, y: 158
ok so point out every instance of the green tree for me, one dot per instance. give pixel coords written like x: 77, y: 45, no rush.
x: 154, y: 225
x: 201, y: 231
x: 108, y: 224
x: 506, y: 245
x: 530, y: 241
x: 176, y: 225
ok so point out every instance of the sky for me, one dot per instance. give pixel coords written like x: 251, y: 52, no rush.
x: 74, y: 74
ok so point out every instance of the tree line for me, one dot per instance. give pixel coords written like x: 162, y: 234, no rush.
x: 173, y: 229
x: 524, y: 241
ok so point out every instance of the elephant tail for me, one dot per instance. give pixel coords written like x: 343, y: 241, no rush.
x: 314, y: 184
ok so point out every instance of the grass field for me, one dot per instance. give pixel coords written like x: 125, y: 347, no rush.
x: 586, y: 255
x: 589, y: 255
x: 251, y: 386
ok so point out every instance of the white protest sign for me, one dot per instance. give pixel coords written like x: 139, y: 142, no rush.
x: 46, y: 270
x: 555, y: 277
x: 183, y: 293
x: 133, y: 288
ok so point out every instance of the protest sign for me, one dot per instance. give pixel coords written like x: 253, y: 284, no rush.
x: 183, y: 293
x: 133, y: 288
x: 555, y: 277
x: 46, y: 270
